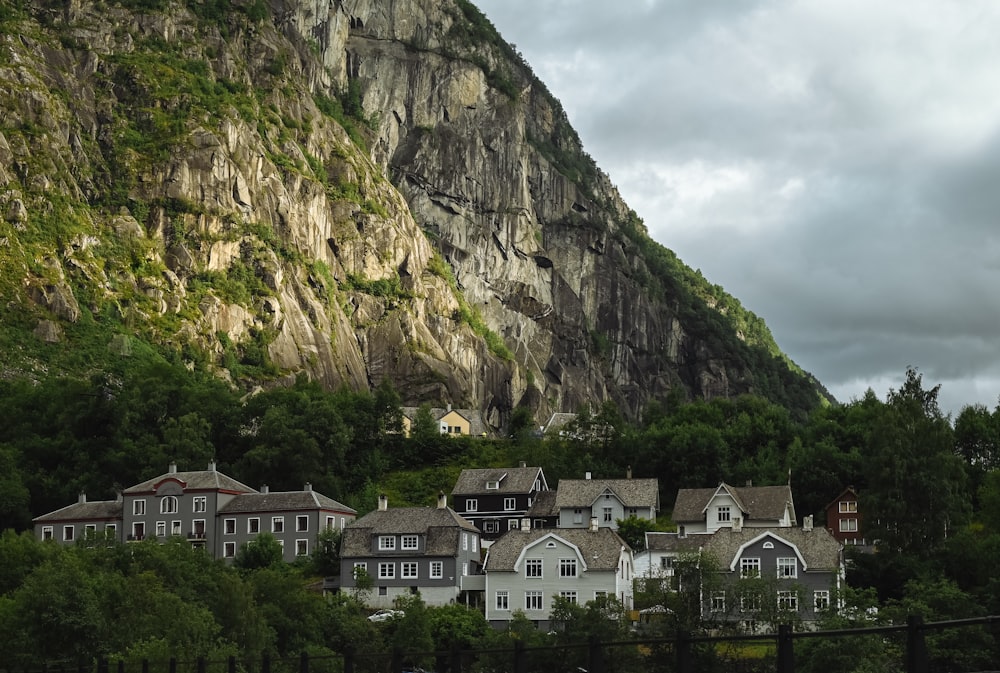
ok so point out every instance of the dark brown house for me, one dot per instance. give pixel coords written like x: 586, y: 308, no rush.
x: 496, y: 499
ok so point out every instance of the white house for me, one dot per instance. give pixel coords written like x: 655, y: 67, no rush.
x: 706, y: 510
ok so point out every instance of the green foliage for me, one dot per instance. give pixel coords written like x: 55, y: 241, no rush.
x: 264, y: 551
x: 633, y: 530
x: 389, y: 288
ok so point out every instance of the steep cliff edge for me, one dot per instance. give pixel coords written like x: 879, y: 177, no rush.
x: 355, y: 190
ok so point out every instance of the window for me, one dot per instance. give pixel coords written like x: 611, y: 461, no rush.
x: 465, y: 542
x: 331, y: 523
x: 168, y: 505
x: 502, y: 600
x: 138, y: 530
x: 359, y: 566
x: 161, y: 529
x: 750, y: 567
x: 787, y: 568
x: 533, y: 600
x: 253, y: 525
x: 383, y: 591
x: 471, y: 505
x: 533, y: 567
x: 667, y: 565
x: 410, y: 542
x: 848, y: 525
x: 301, y: 523
x: 821, y: 599
x: 175, y: 527
x: 408, y: 570
x: 492, y: 485
x: 848, y: 506
x: 577, y: 516
x: 230, y: 526
x: 387, y: 571
x: 68, y: 533
x: 90, y: 529
x: 46, y: 532
x: 491, y: 526
x: 513, y: 524
x: 475, y: 542
x: 302, y: 547
x: 750, y: 603
x: 788, y: 600
x: 138, y: 507
x: 538, y: 523
x: 723, y: 514
x: 437, y: 570
x: 509, y: 504
x: 718, y: 601
x: 465, y: 568
x: 568, y: 595
x: 386, y: 542
x: 277, y: 524
x: 607, y: 514
x: 567, y: 567
x: 199, y: 503
x: 198, y: 527
x: 229, y: 550
x: 111, y: 529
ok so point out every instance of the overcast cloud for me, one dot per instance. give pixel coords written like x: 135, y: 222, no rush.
x: 833, y: 165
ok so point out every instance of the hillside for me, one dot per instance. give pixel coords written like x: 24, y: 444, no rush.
x: 354, y: 191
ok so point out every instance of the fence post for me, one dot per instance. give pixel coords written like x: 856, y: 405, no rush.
x: 595, y: 656
x: 348, y: 659
x: 396, y: 666
x: 201, y: 665
x: 145, y: 666
x: 456, y: 659
x: 232, y: 664
x: 682, y: 649
x: 786, y: 649
x: 265, y: 663
x: 916, y: 647
x: 172, y: 665
x: 519, y: 657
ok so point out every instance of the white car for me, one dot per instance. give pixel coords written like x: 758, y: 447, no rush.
x: 385, y: 615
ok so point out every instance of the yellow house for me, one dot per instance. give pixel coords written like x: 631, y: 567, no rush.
x: 454, y: 423
x: 450, y: 421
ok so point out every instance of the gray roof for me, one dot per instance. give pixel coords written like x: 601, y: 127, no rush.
x: 818, y: 547
x: 210, y: 480
x: 672, y: 542
x: 283, y: 501
x: 764, y: 503
x: 476, y: 424
x: 441, y: 525
x: 512, y: 480
x: 85, y: 511
x: 632, y: 492
x: 601, y: 549
x: 544, y: 505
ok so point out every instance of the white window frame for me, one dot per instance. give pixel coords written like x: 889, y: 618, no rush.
x: 111, y: 529
x: 465, y: 542
x: 513, y: 524
x: 47, y: 532
x: 387, y: 543
x: 821, y: 599
x: 848, y: 525
x: 788, y: 600
x: 253, y: 525
x: 69, y: 533
x: 331, y: 523
x: 229, y: 550
x: 194, y: 527
x: 301, y: 547
x: 788, y: 567
x: 169, y: 504
x: 534, y: 600
x: 509, y: 504
x: 175, y: 528
x: 437, y: 570
x: 491, y: 526
x: 229, y: 526
x: 89, y: 528
x: 848, y: 506
x: 569, y: 595
x: 302, y: 523
x: 749, y: 567
x: 386, y: 570
x: 607, y: 512
x: 139, y: 507
x: 567, y: 567
x: 277, y: 524
x: 409, y: 570
x: 502, y: 601
x: 199, y: 503
x: 409, y: 542
x: 533, y: 568
x: 471, y: 505
x: 161, y: 529
x: 717, y: 601
x: 723, y: 514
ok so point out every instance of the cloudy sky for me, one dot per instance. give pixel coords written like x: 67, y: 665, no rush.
x: 833, y: 165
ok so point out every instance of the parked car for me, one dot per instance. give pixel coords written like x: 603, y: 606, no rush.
x: 385, y: 615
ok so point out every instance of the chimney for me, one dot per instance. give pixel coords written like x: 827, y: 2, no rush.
x: 83, y: 498
x: 442, y: 500
x: 525, y: 523
x: 523, y: 464
x: 383, y: 502
x: 749, y: 483
x: 211, y: 466
x: 628, y: 472
x: 172, y: 468
x: 449, y: 406
x: 586, y: 475
x: 738, y: 524
x: 307, y: 487
x: 593, y: 524
x: 807, y: 523
x: 265, y: 489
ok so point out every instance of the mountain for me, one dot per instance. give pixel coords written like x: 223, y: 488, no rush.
x: 354, y: 190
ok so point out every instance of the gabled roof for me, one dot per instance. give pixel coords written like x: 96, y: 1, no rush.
x: 511, y: 480
x: 476, y: 424
x: 632, y: 492
x: 199, y: 480
x: 847, y: 491
x: 817, y: 548
x: 758, y: 503
x: 441, y: 525
x: 672, y: 542
x: 99, y: 510
x: 282, y: 501
x: 600, y: 549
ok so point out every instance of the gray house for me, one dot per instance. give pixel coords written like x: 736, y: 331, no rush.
x: 706, y: 510
x: 406, y: 550
x: 526, y: 569
x: 607, y: 500
x: 211, y: 510
x: 771, y: 575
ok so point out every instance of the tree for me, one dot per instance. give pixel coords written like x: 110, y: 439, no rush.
x: 326, y: 554
x: 633, y: 530
x: 264, y: 551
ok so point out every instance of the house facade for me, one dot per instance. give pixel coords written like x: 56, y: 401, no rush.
x: 496, y: 500
x: 772, y: 575
x: 406, y: 550
x: 527, y: 569
x: 211, y: 510
x: 607, y: 500
x: 843, y: 518
x: 454, y: 422
x: 706, y: 510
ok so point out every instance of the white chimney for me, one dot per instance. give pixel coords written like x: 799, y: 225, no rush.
x: 265, y: 489
x: 83, y: 498
x: 523, y: 464
x: 593, y: 524
x: 807, y: 523
x: 586, y: 475
x: 308, y: 487
x: 172, y: 468
x: 525, y: 523
x: 211, y: 466
x: 383, y: 502
x: 738, y: 524
x: 628, y: 472
x: 442, y: 500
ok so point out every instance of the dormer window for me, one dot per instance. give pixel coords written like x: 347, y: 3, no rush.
x: 492, y: 485
x: 724, y: 514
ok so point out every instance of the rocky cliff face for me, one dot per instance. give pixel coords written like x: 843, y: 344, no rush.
x: 357, y: 190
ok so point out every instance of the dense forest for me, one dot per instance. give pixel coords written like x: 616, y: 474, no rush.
x: 929, y: 487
